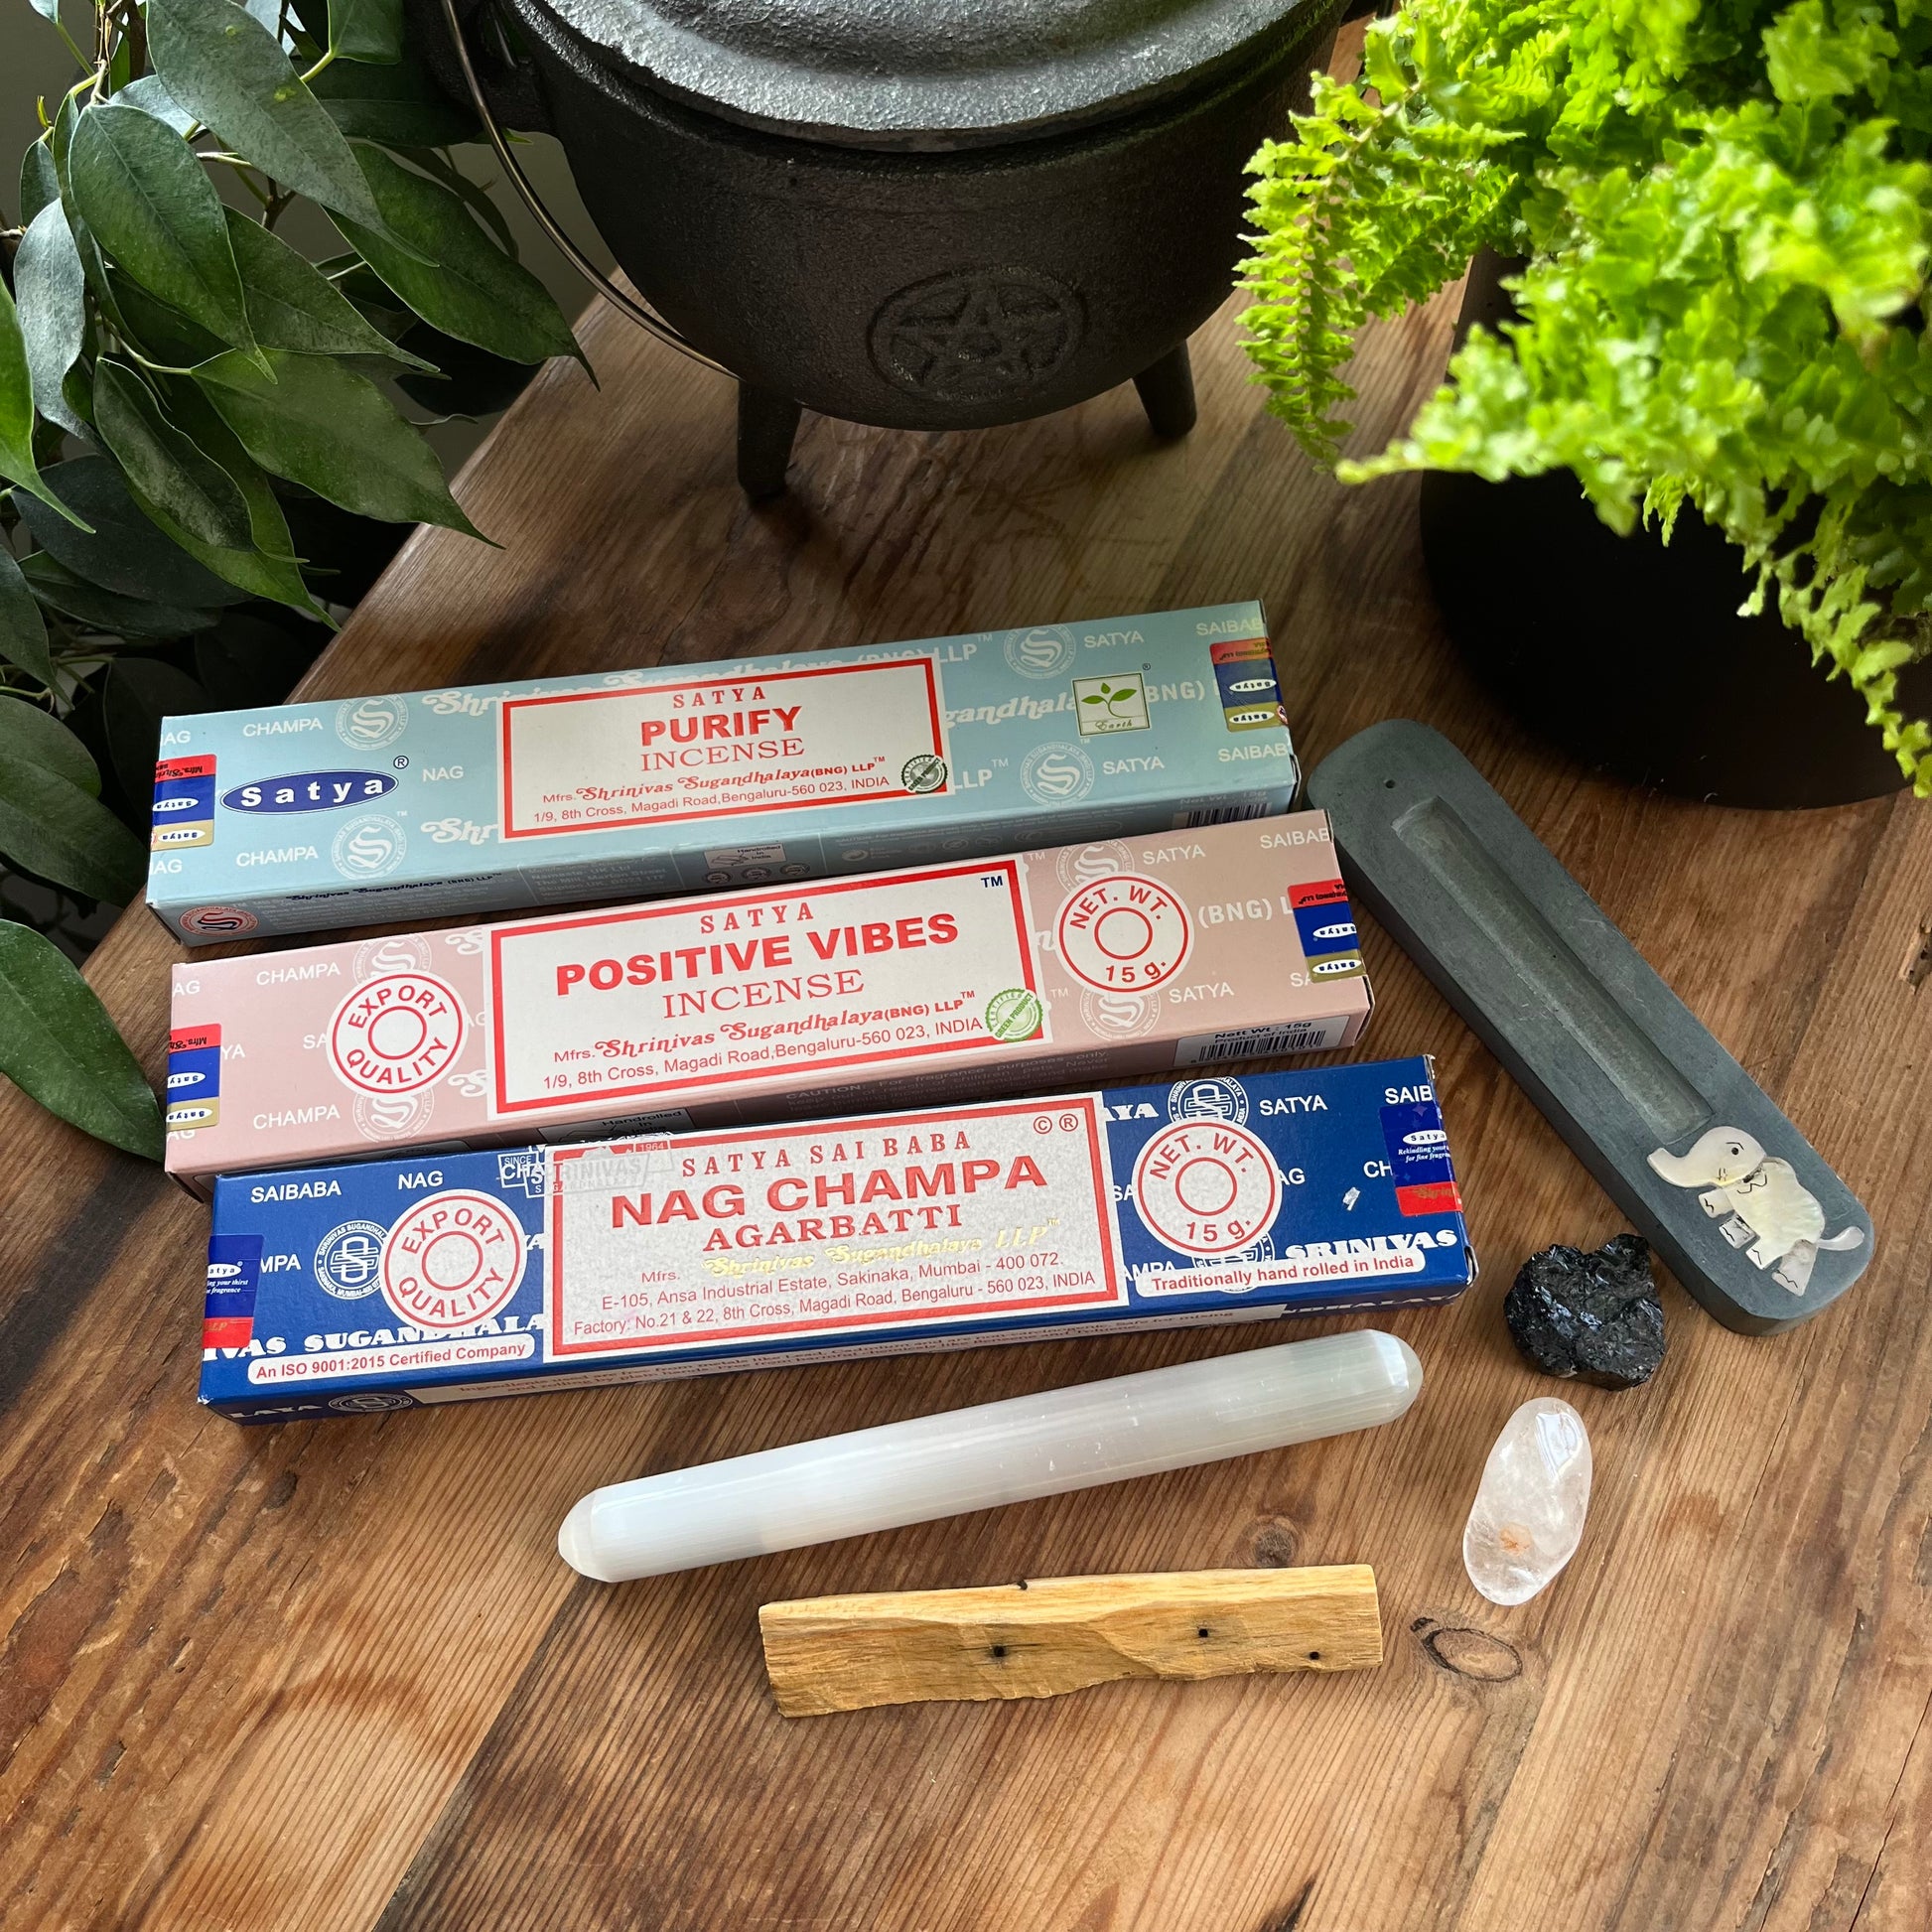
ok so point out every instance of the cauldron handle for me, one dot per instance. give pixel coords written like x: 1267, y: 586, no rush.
x: 643, y: 317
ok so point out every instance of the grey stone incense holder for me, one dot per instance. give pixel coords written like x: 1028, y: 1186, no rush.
x: 1729, y: 1193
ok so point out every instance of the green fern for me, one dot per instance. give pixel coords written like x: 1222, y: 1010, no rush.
x: 1726, y: 211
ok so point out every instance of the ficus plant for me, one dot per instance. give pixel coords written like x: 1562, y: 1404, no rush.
x: 1723, y: 213
x: 193, y: 409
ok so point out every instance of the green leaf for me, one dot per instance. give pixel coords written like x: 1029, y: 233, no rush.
x: 152, y: 97
x: 332, y: 430
x: 367, y: 293
x: 124, y: 552
x: 136, y: 695
x: 60, y: 144
x: 269, y: 569
x: 148, y: 200
x: 293, y: 307
x: 50, y: 289
x: 227, y: 70
x: 366, y: 30
x: 466, y: 287
x: 472, y: 195
x: 23, y: 630
x: 99, y: 610
x: 41, y: 739
x: 17, y: 413
x: 39, y: 180
x: 61, y: 832
x: 161, y: 466
x: 163, y: 333
x: 401, y: 107
x: 57, y: 1044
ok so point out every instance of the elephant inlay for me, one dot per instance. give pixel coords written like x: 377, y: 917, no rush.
x: 1766, y: 1204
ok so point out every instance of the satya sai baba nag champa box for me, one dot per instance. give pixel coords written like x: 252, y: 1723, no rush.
x: 439, y: 804
x: 380, y: 1285
x: 1080, y: 963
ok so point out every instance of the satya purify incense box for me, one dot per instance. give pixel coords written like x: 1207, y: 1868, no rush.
x: 437, y: 804
x: 1102, y: 960
x: 1214, y: 1197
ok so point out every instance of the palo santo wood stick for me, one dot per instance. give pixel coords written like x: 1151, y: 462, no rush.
x: 1061, y: 1633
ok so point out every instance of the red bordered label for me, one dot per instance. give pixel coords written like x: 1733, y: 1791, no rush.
x: 396, y: 1032
x: 700, y: 994
x: 915, y: 1219
x: 721, y: 746
x: 1123, y: 933
x: 1206, y: 1187
x: 454, y: 1259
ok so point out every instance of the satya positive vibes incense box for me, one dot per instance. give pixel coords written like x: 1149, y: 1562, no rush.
x: 1103, y: 960
x: 1210, y: 1199
x: 441, y: 804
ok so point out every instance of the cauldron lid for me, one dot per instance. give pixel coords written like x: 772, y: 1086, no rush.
x: 923, y: 74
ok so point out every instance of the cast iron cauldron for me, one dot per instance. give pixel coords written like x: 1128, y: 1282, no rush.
x: 916, y: 214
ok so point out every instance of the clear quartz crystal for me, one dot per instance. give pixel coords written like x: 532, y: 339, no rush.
x: 1528, y: 1515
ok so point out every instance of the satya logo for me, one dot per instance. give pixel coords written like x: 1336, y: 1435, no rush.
x: 368, y: 848
x: 219, y: 921
x: 347, y: 1260
x: 308, y: 792
x: 392, y: 1116
x: 1118, y: 1016
x: 453, y: 1260
x: 1081, y: 865
x: 400, y: 952
x: 1206, y: 1187
x: 367, y: 723
x: 1207, y: 1100
x: 1056, y: 774
x: 1044, y: 652
x: 396, y: 1033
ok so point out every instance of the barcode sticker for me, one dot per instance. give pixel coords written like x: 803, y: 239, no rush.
x: 1260, y: 1042
x: 1224, y: 814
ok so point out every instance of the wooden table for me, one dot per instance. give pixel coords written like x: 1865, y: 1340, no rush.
x: 333, y: 1675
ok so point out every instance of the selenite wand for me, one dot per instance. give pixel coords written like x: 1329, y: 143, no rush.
x: 998, y: 1452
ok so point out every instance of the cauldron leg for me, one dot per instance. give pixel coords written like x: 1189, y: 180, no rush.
x: 766, y: 423
x: 1168, y: 393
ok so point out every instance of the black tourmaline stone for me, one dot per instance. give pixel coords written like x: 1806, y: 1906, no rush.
x: 1594, y: 1317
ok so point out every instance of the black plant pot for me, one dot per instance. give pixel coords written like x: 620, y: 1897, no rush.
x: 1628, y: 654
x: 956, y: 282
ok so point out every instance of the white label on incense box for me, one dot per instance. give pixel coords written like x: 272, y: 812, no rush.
x: 683, y: 997
x: 915, y: 1218
x: 720, y: 746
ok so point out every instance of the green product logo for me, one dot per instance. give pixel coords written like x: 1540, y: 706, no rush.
x: 1110, y: 704
x: 1013, y: 1013
x: 922, y: 773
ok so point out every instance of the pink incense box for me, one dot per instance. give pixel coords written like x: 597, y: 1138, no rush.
x: 1189, y: 949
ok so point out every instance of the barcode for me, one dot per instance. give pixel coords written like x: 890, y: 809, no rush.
x: 1260, y: 1042
x: 1224, y: 814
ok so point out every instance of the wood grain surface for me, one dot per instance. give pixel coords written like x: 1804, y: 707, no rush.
x: 1042, y: 1637
x: 333, y: 1675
